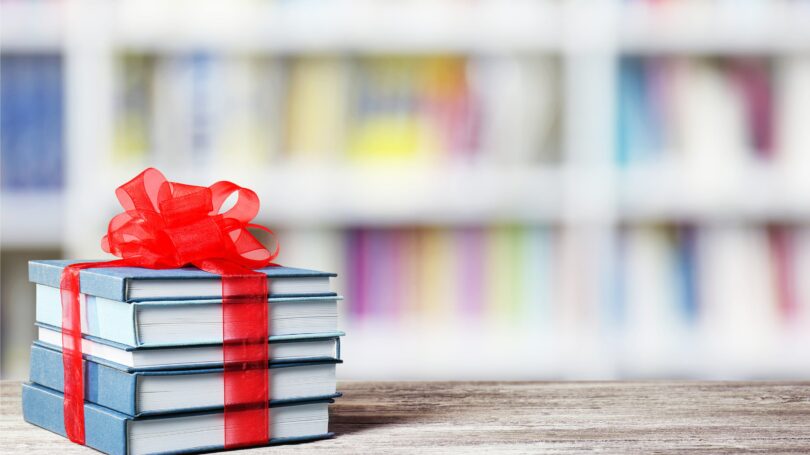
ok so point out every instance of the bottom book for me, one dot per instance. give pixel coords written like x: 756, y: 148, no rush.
x: 114, y: 433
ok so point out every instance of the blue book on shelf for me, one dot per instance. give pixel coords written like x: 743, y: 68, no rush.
x: 128, y: 284
x: 115, y: 433
x: 282, y: 349
x: 141, y: 393
x: 31, y: 122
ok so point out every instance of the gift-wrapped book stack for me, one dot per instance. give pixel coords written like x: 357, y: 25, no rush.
x: 152, y: 346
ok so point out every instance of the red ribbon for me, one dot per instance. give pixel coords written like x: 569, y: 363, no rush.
x: 169, y: 225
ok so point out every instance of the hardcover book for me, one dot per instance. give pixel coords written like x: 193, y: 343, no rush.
x: 129, y: 284
x: 172, y: 322
x: 140, y: 393
x: 283, y: 348
x: 115, y: 433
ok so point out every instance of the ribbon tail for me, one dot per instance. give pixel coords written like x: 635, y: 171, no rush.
x: 72, y: 362
x: 245, y: 353
x: 72, y: 355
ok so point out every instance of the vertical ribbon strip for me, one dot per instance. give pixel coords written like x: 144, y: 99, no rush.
x: 169, y: 225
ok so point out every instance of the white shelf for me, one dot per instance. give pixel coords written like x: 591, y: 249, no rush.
x: 369, y: 26
x: 345, y: 195
x: 32, y: 26
x: 385, y: 195
x: 31, y: 220
x: 339, y: 26
x: 757, y: 193
x: 715, y: 27
x: 300, y: 195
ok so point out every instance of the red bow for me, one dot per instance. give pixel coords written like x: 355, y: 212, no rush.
x: 168, y: 225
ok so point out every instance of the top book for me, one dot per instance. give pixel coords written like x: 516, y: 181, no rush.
x: 128, y: 284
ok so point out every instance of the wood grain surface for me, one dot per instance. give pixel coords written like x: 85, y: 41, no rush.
x: 527, y: 417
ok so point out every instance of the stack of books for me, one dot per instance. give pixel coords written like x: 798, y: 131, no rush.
x: 152, y: 344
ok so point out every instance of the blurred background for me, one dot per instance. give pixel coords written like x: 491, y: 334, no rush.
x: 519, y: 189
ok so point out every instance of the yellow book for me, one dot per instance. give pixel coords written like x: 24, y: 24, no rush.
x: 436, y: 288
x: 133, y: 107
x: 408, y: 108
x: 502, y: 257
x: 316, y: 107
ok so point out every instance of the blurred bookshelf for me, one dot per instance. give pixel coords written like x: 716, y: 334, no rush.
x: 509, y: 189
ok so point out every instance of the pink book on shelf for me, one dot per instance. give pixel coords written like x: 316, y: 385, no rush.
x: 470, y: 277
x: 753, y: 80
x: 376, y: 272
x: 357, y: 273
x: 385, y: 288
x: 783, y: 270
x: 397, y: 269
x: 408, y: 269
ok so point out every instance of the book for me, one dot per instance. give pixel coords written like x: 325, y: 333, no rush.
x: 133, y: 87
x: 165, y: 323
x: 520, y: 111
x: 115, y: 433
x: 137, y: 392
x: 285, y: 348
x: 316, y: 106
x: 31, y: 122
x: 129, y: 284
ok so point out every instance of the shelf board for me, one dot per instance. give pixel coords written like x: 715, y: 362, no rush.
x: 390, y: 195
x: 714, y: 28
x: 754, y: 193
x: 347, y: 195
x: 32, y: 26
x: 31, y: 220
x: 369, y: 26
x: 365, y: 26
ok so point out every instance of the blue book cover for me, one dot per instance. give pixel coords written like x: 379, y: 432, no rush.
x: 129, y: 284
x: 117, y: 387
x: 115, y: 433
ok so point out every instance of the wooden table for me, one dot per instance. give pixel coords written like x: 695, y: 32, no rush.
x: 528, y: 417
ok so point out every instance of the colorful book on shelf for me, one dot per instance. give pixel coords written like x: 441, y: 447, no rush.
x: 144, y: 392
x: 753, y: 79
x: 687, y: 273
x: 134, y: 85
x: 116, y: 433
x: 31, y: 122
x: 316, y: 107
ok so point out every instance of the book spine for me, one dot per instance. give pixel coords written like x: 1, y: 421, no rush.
x: 106, y: 431
x: 104, y: 386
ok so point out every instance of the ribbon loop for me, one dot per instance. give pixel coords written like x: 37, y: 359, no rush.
x: 187, y: 215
